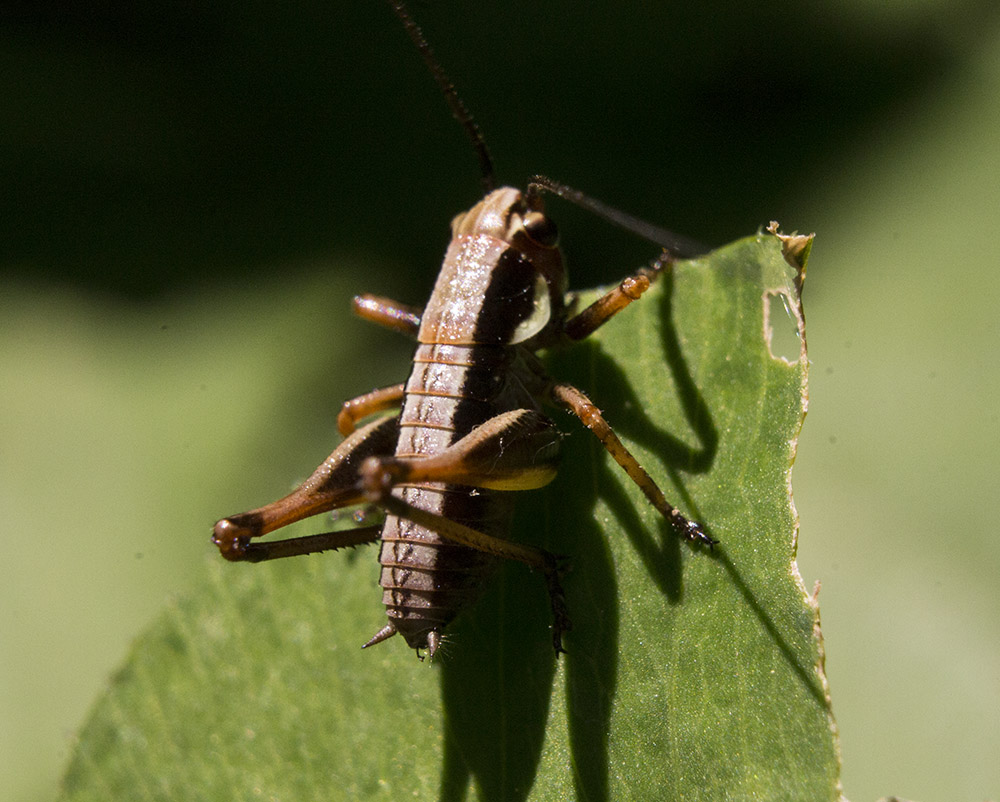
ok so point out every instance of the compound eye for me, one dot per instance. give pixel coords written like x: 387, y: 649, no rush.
x: 541, y: 230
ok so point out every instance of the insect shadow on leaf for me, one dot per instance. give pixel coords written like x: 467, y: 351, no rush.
x: 497, y: 684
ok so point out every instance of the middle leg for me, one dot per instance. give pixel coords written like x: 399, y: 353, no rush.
x: 368, y: 404
x: 574, y: 400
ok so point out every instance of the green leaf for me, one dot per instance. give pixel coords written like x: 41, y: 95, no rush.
x: 690, y: 674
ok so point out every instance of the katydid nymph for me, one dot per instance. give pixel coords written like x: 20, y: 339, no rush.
x: 470, y: 428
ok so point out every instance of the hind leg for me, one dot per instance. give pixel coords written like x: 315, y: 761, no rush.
x: 515, y: 450
x: 333, y: 485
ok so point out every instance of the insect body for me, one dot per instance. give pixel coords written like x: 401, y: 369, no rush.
x: 470, y: 430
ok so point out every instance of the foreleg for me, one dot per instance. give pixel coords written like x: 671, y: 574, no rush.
x: 604, y: 308
x: 388, y: 313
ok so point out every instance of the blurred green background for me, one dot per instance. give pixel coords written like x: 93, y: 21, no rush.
x: 192, y: 194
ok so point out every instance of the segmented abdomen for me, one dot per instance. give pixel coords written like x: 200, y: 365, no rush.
x: 427, y: 579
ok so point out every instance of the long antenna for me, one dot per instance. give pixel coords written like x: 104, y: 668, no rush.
x: 675, y: 243
x: 458, y: 108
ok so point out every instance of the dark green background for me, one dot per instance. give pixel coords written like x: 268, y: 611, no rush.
x: 191, y: 195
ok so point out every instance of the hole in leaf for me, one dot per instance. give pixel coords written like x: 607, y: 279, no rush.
x: 781, y: 328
